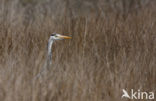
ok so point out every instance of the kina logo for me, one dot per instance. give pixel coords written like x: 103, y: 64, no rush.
x: 137, y: 94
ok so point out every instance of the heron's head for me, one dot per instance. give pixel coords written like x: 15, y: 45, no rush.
x: 59, y: 36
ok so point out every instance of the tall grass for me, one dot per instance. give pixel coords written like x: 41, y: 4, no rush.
x: 105, y: 55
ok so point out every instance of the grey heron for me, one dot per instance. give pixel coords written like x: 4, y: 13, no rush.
x: 51, y: 40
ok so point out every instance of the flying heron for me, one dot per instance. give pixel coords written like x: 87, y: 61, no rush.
x: 52, y: 38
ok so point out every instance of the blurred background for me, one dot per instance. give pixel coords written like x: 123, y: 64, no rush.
x: 112, y: 48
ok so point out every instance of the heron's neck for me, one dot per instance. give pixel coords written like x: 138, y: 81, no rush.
x: 50, y: 43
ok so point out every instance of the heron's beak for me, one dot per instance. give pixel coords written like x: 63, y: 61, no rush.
x: 65, y: 37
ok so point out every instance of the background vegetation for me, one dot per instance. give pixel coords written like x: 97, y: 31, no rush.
x: 112, y: 48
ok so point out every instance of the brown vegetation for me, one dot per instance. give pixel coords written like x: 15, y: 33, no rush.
x: 105, y: 55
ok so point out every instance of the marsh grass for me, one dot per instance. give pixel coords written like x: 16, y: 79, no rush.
x: 104, y: 56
